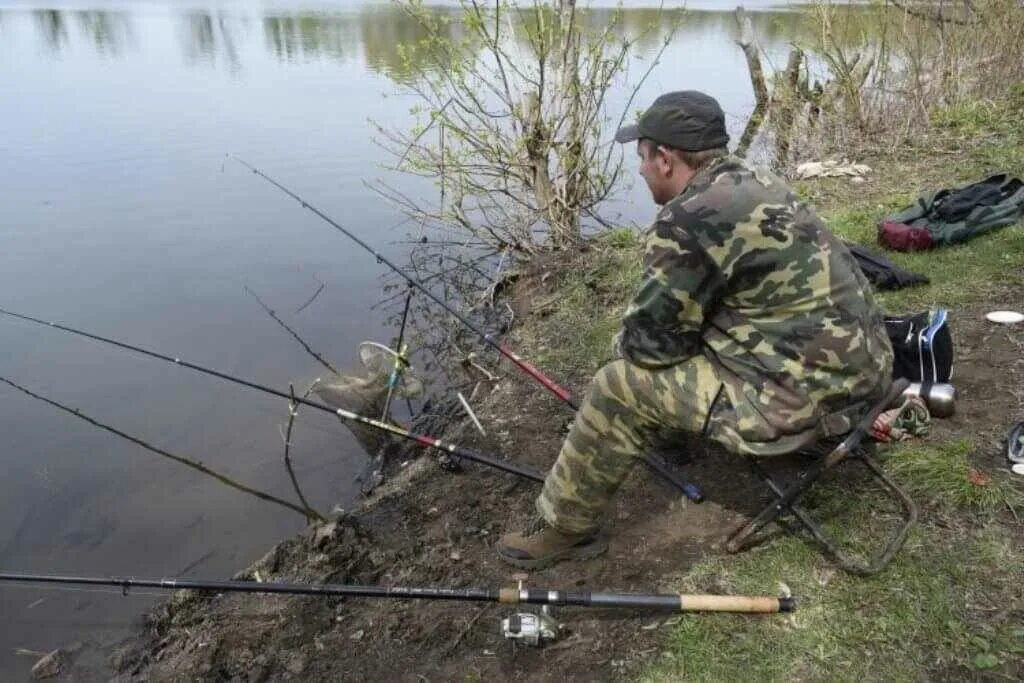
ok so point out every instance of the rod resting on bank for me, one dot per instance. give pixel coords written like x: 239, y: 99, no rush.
x: 671, y: 602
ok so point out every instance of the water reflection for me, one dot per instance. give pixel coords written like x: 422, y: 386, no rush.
x: 206, y: 37
x: 374, y: 33
x: 371, y: 34
x: 108, y: 33
x: 52, y: 26
x: 309, y: 37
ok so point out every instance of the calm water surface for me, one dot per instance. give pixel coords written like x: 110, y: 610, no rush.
x: 119, y: 215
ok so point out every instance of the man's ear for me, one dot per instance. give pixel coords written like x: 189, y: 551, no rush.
x: 665, y: 159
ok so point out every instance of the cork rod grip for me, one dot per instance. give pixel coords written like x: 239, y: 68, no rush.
x: 733, y: 603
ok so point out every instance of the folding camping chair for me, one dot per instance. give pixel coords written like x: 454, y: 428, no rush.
x: 852, y: 447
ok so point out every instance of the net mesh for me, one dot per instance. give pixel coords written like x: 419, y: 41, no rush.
x: 365, y: 393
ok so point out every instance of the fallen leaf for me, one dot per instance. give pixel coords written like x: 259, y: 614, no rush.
x: 978, y: 478
x: 986, y: 660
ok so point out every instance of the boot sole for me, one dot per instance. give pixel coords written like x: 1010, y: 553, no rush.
x: 593, y: 549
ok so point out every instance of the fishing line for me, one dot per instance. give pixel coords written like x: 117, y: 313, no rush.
x: 654, y: 463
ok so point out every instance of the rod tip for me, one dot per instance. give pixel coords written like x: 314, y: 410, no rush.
x: 787, y: 604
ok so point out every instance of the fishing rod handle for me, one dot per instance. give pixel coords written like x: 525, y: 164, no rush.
x: 650, y: 601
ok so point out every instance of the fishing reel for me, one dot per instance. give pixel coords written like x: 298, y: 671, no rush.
x: 532, y: 628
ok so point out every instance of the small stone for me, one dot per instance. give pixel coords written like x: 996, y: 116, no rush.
x: 432, y: 511
x: 323, y: 534
x: 357, y: 636
x: 296, y: 665
x: 456, y: 555
x: 49, y: 666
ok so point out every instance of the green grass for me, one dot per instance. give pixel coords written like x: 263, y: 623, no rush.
x: 944, y: 473
x: 586, y: 309
x: 920, y: 615
x: 976, y: 139
x: 960, y: 274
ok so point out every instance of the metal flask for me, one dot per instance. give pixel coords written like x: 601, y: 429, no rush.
x: 940, y: 398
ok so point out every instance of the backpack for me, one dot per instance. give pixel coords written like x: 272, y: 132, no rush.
x: 954, y: 215
x: 922, y: 346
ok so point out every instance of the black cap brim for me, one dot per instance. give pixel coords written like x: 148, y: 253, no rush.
x: 628, y: 134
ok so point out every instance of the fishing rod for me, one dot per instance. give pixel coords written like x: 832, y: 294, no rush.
x: 307, y: 512
x: 674, y: 602
x: 421, y: 439
x: 523, y: 364
x: 688, y: 489
x: 460, y: 264
x: 401, y: 359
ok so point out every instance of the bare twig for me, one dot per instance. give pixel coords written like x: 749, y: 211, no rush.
x: 224, y: 479
x: 293, y: 410
x: 292, y: 332
x: 472, y: 415
x: 937, y: 16
x: 319, y: 289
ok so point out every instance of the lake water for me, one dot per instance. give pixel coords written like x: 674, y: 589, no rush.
x: 119, y: 215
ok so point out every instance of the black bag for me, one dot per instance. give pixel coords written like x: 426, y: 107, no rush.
x: 881, y: 272
x: 922, y: 347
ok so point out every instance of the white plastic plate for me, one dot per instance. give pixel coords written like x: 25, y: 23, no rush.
x: 1005, y: 317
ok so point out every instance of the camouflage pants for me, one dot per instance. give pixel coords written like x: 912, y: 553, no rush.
x: 628, y: 410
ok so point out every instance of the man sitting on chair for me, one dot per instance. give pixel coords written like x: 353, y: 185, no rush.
x: 753, y: 327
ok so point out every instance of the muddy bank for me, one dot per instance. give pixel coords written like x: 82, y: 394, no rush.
x: 433, y: 526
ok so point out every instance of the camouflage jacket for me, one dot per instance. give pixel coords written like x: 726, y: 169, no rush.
x: 739, y: 271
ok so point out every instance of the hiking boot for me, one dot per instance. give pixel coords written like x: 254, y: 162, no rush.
x: 542, y: 546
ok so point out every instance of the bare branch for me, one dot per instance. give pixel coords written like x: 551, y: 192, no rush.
x: 193, y: 464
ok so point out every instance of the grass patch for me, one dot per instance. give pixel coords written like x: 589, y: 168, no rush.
x: 960, y: 274
x: 585, y: 312
x: 920, y: 615
x: 944, y: 473
x: 976, y: 139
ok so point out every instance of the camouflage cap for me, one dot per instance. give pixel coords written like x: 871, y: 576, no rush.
x: 688, y: 120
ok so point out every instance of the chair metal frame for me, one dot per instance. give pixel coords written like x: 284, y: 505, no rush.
x: 852, y: 447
